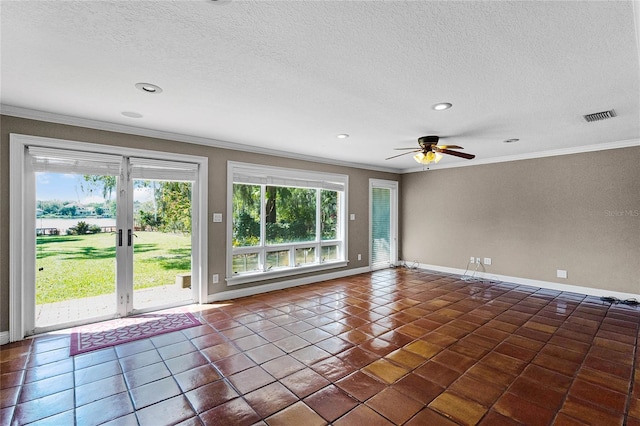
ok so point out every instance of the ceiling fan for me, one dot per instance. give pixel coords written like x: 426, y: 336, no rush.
x: 430, y: 151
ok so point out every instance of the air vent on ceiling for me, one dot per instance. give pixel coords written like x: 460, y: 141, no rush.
x: 598, y: 116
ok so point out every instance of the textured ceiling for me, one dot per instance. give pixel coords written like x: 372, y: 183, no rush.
x: 291, y: 75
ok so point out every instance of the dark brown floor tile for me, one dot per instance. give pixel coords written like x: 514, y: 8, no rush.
x: 291, y: 343
x: 503, y: 363
x: 95, y: 372
x: 614, y: 368
x: 490, y: 375
x: 454, y: 360
x: 418, y: 388
x: 9, y: 396
x: 330, y: 402
x: 550, y: 379
x: 34, y: 390
x: 218, y: 352
x: 196, y: 377
x: 394, y: 405
x: 461, y: 410
x: 42, y: 358
x: 568, y: 368
x: 235, y: 412
x: 429, y: 417
x: 523, y: 411
x: 101, y: 389
x: 185, y: 362
x: 275, y: 334
x: 49, y: 370
x: 333, y: 368
x: 104, y: 410
x: 144, y: 375
x: 564, y: 420
x: 468, y: 349
x: 405, y: 358
x: 270, y: 399
x: 354, y: 336
x: 94, y: 358
x: 310, y: 355
x: 140, y: 359
x: 11, y: 379
x: 304, y: 382
x: 515, y: 351
x: 334, y: 345
x: 153, y: 392
x: 484, y: 393
x: 296, y: 414
x: 211, y: 395
x: 599, y: 396
x: 264, y: 353
x: 590, y: 414
x: 493, y: 418
x: 362, y: 415
x: 396, y: 338
x: 176, y: 349
x: 360, y: 385
x: 171, y: 411
x: 437, y: 373
x: 282, y: 366
x: 378, y: 347
x: 250, y: 379
x: 208, y: 340
x: 537, y: 392
x: 249, y: 342
x: 132, y: 348
x: 236, y: 332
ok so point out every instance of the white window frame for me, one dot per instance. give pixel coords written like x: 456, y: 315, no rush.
x: 21, y: 191
x: 255, y: 174
x: 392, y: 186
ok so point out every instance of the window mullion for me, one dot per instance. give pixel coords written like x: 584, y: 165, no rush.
x: 262, y: 256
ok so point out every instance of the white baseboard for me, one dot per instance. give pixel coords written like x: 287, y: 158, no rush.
x: 263, y: 288
x: 4, y: 337
x: 590, y: 291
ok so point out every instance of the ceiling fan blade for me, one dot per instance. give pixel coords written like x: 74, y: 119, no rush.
x: 457, y: 154
x: 404, y: 153
x: 448, y: 147
x: 401, y: 149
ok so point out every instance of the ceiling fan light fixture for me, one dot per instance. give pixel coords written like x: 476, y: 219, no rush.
x: 342, y: 136
x: 442, y: 106
x: 514, y: 140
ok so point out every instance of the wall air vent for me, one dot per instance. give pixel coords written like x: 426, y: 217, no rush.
x: 598, y: 116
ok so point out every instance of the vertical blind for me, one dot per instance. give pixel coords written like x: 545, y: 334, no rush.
x: 381, y: 226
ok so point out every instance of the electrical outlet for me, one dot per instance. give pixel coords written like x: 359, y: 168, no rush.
x: 487, y: 261
x: 561, y: 273
x: 359, y: 256
x: 216, y: 278
x: 217, y: 217
x: 472, y: 259
x: 478, y: 260
x: 352, y: 216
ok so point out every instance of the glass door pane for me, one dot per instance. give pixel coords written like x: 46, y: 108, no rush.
x: 162, y: 214
x: 75, y: 248
x: 380, y: 226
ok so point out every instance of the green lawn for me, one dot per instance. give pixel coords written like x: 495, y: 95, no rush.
x: 76, y: 266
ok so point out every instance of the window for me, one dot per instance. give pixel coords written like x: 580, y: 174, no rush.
x: 284, y: 221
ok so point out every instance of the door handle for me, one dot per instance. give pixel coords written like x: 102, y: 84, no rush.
x: 129, y: 236
x: 120, y: 237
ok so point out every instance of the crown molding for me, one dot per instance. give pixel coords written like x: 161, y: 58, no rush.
x: 50, y: 117
x: 530, y: 155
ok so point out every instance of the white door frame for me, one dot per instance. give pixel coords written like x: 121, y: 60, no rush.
x: 392, y: 185
x: 21, y: 231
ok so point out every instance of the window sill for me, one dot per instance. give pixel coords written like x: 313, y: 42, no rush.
x: 263, y: 276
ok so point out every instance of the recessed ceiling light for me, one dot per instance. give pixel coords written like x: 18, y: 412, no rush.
x: 131, y: 114
x: 442, y: 106
x: 511, y: 140
x: 342, y: 136
x: 149, y: 88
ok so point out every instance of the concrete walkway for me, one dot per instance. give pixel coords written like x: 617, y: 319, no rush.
x: 75, y: 310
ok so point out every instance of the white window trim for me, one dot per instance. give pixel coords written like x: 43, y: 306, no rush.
x: 265, y: 175
x: 19, y: 232
x: 392, y: 185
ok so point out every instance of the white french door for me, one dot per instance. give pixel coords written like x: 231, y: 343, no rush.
x: 138, y: 247
x: 383, y: 220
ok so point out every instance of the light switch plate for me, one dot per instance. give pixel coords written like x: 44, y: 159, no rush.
x: 561, y: 273
x: 217, y: 217
x: 352, y: 216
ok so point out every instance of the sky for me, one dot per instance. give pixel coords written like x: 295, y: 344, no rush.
x: 67, y: 187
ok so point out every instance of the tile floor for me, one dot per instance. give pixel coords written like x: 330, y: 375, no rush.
x: 391, y: 347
